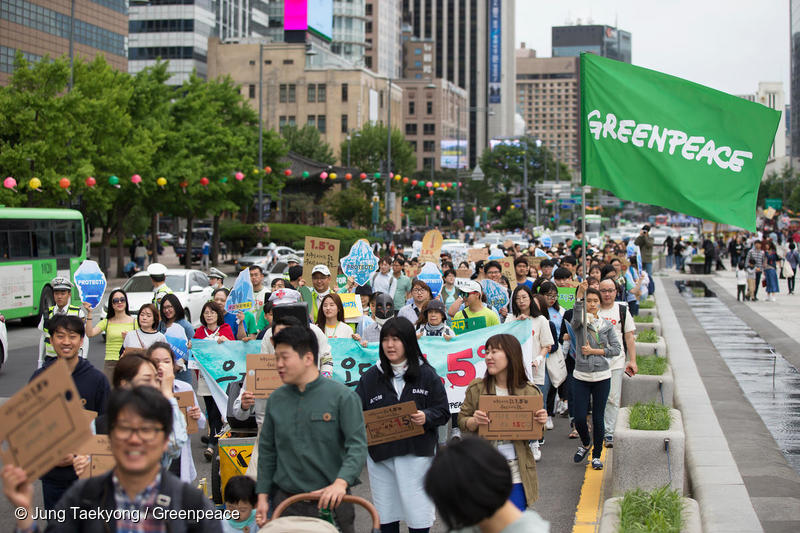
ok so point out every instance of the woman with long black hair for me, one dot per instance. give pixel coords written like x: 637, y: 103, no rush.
x: 397, y: 469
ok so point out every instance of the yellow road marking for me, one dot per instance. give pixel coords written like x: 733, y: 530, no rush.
x: 587, y: 515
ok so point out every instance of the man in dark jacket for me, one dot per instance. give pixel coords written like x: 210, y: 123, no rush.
x: 137, y: 495
x: 708, y: 252
x: 66, y: 335
x: 645, y: 243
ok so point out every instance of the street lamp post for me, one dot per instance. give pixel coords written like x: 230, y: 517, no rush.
x: 388, y: 149
x: 260, y: 132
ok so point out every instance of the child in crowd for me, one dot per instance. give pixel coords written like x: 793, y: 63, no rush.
x: 741, y: 282
x: 751, y: 279
x: 432, y: 321
x: 240, y: 495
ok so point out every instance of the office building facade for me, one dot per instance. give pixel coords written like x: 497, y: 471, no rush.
x: 548, y: 99
x: 240, y: 19
x: 794, y: 119
x: 42, y: 27
x: 605, y: 41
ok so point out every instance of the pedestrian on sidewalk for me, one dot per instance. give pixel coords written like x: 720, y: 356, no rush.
x: 751, y: 280
x: 741, y: 282
x: 757, y: 255
x: 792, y: 258
x: 771, y: 260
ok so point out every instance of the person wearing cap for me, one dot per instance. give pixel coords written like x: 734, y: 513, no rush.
x: 158, y: 276
x: 215, y: 277
x: 292, y: 260
x: 473, y: 306
x: 320, y: 281
x: 62, y: 295
x: 433, y: 321
x: 645, y: 243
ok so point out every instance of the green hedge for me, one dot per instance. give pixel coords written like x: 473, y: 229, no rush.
x: 643, y: 319
x: 647, y: 335
x: 651, y: 365
x: 292, y: 235
x: 647, y: 304
x: 649, y: 417
x: 659, y: 511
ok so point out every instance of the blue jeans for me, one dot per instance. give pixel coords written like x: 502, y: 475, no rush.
x: 546, y: 387
x: 517, y: 496
x: 651, y: 287
x: 597, y: 391
x: 670, y: 260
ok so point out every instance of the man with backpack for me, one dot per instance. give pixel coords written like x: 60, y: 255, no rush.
x: 618, y: 315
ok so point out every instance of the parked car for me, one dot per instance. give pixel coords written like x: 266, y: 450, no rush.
x: 199, y: 236
x: 261, y: 256
x: 279, y: 270
x: 190, y: 286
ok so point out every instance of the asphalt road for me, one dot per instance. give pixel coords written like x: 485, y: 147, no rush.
x: 559, y: 478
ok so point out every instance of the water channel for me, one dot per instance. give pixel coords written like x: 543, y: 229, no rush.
x: 768, y: 380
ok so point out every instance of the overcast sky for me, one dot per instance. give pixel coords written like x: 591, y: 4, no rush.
x: 729, y: 45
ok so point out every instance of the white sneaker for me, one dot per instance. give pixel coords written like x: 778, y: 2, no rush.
x: 549, y: 424
x: 561, y: 407
x: 455, y: 434
x: 537, y: 453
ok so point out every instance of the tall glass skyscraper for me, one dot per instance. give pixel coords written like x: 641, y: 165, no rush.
x: 605, y: 41
x: 794, y: 118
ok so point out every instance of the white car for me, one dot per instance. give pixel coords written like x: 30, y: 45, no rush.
x: 190, y: 286
x: 3, y: 341
x: 259, y: 256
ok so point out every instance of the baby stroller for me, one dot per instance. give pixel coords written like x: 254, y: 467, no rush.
x: 304, y: 524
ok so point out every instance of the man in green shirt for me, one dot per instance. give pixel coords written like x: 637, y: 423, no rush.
x: 312, y: 438
x: 403, y: 283
x: 473, y: 314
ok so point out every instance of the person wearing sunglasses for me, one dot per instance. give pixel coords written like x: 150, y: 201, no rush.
x: 116, y: 325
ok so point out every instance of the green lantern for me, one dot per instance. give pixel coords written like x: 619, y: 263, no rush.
x: 305, y: 174
x: 113, y: 180
x: 377, y: 175
x: 405, y: 199
x: 224, y: 180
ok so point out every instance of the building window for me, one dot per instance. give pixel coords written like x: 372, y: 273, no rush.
x: 418, y: 51
x: 344, y: 92
x: 312, y: 120
x: 368, y: 10
x: 292, y: 97
x: 428, y: 146
x: 321, y: 92
x: 282, y: 93
x: 380, y: 99
x: 288, y: 61
x: 429, y: 129
x: 344, y: 124
x: 411, y: 107
x: 428, y: 162
x: 429, y: 107
x: 411, y: 129
x: 321, y: 124
x: 368, y: 61
x: 252, y: 90
x: 312, y: 93
x: 368, y: 27
x: 282, y: 121
x: 292, y: 120
x: 413, y: 145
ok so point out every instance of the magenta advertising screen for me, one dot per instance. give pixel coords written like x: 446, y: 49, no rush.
x: 295, y: 14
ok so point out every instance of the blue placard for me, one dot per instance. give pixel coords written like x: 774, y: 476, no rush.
x: 179, y: 347
x: 547, y: 241
x: 431, y: 275
x: 496, y: 294
x: 241, y: 297
x: 91, y: 283
x: 360, y: 263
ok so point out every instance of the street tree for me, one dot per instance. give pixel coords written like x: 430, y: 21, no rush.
x: 307, y: 141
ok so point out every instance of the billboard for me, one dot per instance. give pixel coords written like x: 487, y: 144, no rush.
x: 450, y: 150
x: 315, y: 16
x: 495, y: 51
x: 507, y: 142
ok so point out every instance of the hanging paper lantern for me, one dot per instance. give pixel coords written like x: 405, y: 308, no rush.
x: 113, y: 181
x: 430, y: 192
x: 397, y: 177
x: 64, y: 183
x: 418, y: 196
x: 255, y: 171
x: 239, y: 176
x: 438, y: 207
x: 474, y: 208
x: 287, y: 172
x: 377, y: 175
x: 332, y: 175
x: 405, y: 199
x: 363, y: 175
x: 414, y: 183
x: 224, y: 180
x: 136, y: 179
x: 498, y: 208
x: 459, y: 184
x: 429, y: 184
x: 305, y: 174
x: 183, y: 184
x: 35, y: 184
x: 348, y: 176
x: 9, y: 183
x: 405, y: 181
x: 91, y: 182
x: 323, y: 176
x: 163, y: 181
x: 513, y: 206
x: 204, y: 181
x: 449, y: 183
x: 449, y: 208
x: 268, y: 170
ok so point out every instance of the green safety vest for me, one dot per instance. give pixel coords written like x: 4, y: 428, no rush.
x: 72, y: 310
x: 159, y: 293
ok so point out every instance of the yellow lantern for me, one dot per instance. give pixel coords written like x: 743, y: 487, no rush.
x: 161, y: 181
x: 35, y: 183
x: 332, y: 175
x: 436, y: 184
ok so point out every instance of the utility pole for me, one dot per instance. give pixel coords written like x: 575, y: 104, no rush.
x: 525, y: 188
x: 260, y: 132
x: 71, y: 43
x: 388, y: 149
x: 458, y: 161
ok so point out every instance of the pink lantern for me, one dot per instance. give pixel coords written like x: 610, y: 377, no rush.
x: 9, y: 183
x: 136, y: 179
x: 91, y: 182
x: 239, y: 176
x: 391, y: 174
x: 498, y: 208
x: 429, y: 184
x: 323, y: 176
x: 438, y: 208
x: 363, y: 175
x: 459, y: 184
x: 474, y: 208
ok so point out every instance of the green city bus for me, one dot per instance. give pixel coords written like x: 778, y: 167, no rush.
x: 37, y: 245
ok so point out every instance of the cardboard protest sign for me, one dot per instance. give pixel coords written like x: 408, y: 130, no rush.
x: 262, y: 374
x: 91, y: 283
x: 566, y: 297
x: 477, y: 254
x: 241, y: 297
x: 43, y: 422
x: 510, y: 417
x: 101, y: 460
x: 464, y: 273
x: 392, y: 423
x: 508, y: 243
x: 431, y: 246
x: 319, y: 251
x: 507, y: 269
x: 352, y: 305
x: 360, y: 263
x: 185, y: 401
x: 430, y: 274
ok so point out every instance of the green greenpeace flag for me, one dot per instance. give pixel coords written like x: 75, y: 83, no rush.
x: 653, y: 138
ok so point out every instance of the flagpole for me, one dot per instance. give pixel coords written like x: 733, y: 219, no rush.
x: 583, y: 255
